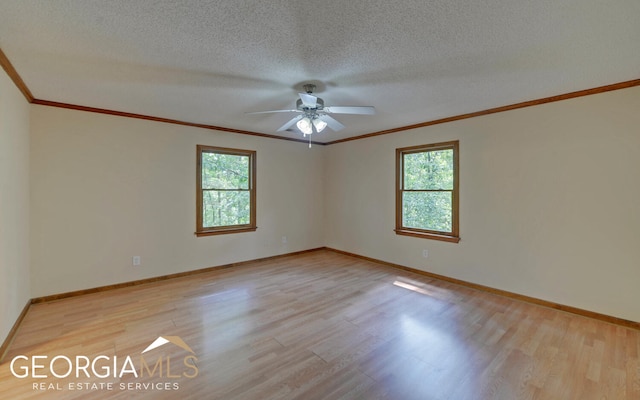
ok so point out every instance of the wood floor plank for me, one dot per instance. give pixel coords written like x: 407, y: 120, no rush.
x: 318, y: 325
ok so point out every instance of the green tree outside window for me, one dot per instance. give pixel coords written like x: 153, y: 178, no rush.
x: 226, y: 190
x: 427, y: 191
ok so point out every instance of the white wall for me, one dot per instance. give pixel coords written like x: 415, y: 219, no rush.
x: 106, y: 188
x: 550, y: 202
x: 14, y: 204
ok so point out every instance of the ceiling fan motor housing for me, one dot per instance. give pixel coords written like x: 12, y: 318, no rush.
x: 319, y: 105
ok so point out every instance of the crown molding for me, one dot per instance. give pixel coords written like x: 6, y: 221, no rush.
x: 545, y: 100
x: 15, y: 77
x: 17, y: 80
x: 163, y: 120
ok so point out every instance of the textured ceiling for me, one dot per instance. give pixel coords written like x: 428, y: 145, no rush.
x: 209, y: 62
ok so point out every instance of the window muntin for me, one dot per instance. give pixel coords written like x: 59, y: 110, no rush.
x: 226, y: 190
x: 427, y: 191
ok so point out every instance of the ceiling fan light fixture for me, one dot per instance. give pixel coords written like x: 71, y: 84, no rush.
x: 305, y: 126
x: 319, y: 124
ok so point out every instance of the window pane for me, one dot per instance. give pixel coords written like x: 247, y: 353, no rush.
x: 430, y: 170
x: 225, y: 171
x: 222, y: 208
x: 427, y: 210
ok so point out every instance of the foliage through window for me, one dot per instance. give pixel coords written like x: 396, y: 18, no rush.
x: 427, y: 191
x: 226, y: 190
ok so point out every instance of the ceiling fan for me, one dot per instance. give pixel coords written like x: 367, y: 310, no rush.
x: 314, y: 114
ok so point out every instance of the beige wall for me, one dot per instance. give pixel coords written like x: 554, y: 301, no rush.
x: 550, y: 202
x: 106, y: 188
x: 549, y: 199
x: 14, y: 204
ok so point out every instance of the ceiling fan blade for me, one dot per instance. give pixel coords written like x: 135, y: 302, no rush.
x: 308, y: 100
x: 291, y: 122
x: 272, y: 111
x: 363, y: 110
x: 331, y: 122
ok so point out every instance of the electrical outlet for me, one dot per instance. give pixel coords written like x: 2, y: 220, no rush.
x: 136, y: 261
x: 425, y: 253
x: 284, y: 240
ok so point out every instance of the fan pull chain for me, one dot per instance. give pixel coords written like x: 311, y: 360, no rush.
x: 309, y: 141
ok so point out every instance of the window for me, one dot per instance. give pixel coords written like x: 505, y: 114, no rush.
x: 226, y: 197
x: 427, y: 191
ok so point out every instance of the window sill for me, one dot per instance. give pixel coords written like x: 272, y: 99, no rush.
x: 427, y: 235
x: 225, y: 231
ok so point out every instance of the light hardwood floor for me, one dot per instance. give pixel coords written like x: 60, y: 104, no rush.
x: 320, y: 325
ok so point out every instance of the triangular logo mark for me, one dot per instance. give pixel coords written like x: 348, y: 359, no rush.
x: 161, y: 341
